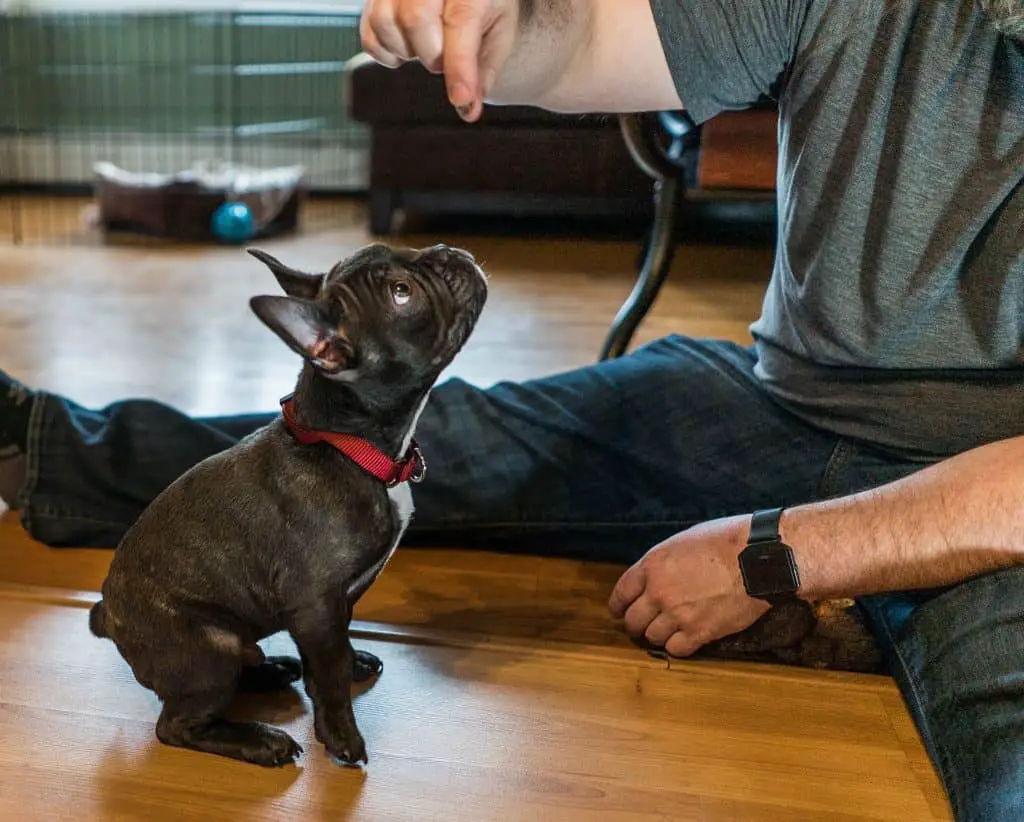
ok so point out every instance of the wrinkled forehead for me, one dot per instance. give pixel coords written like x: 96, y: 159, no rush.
x: 376, y: 257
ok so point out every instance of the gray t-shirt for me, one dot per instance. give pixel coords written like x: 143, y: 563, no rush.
x: 895, y: 312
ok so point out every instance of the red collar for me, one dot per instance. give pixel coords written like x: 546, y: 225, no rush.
x: 371, y: 459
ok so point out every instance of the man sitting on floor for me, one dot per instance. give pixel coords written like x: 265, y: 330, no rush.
x: 881, y: 406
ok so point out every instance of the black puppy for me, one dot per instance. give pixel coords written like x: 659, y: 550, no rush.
x: 287, y: 529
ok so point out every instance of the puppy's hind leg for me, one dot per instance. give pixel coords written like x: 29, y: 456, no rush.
x: 193, y: 707
x: 98, y: 621
x: 365, y: 666
x: 267, y: 674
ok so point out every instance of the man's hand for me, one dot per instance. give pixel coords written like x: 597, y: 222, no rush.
x: 467, y: 40
x: 687, y: 591
x: 561, y: 55
x: 941, y: 525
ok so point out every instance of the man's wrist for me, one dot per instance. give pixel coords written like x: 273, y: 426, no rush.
x: 838, y: 547
x: 938, y: 526
x: 799, y: 529
x: 767, y: 568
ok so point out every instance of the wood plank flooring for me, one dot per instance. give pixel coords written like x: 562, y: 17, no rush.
x: 456, y: 731
x: 97, y: 323
x: 508, y: 693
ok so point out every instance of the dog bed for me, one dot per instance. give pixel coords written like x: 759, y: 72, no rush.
x: 181, y: 206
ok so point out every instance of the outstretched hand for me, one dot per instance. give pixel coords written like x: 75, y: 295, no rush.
x: 687, y: 591
x: 466, y: 40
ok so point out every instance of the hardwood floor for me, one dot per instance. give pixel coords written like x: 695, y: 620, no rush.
x: 508, y: 692
x: 456, y: 730
x: 97, y: 323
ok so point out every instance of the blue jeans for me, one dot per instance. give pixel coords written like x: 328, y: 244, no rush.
x: 602, y: 463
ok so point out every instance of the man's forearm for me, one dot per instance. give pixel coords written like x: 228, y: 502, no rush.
x: 584, y: 56
x: 553, y: 36
x: 563, y: 55
x: 941, y: 525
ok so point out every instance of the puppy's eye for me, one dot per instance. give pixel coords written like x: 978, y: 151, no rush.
x: 401, y: 293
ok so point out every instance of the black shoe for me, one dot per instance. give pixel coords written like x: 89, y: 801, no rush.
x: 12, y: 478
x: 15, y: 407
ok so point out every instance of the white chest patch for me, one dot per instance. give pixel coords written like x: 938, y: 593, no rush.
x: 401, y: 503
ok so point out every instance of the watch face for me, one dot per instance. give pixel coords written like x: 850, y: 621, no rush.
x: 769, y: 569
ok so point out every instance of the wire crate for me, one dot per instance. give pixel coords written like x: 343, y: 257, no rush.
x: 160, y: 89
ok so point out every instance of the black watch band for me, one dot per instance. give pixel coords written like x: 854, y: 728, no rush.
x: 764, y: 526
x: 767, y: 564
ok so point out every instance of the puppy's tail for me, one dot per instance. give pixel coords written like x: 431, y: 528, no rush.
x: 98, y: 620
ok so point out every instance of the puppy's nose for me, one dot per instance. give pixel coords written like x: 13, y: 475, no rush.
x: 443, y: 253
x: 450, y: 252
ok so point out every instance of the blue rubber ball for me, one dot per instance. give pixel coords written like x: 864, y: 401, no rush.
x: 233, y: 223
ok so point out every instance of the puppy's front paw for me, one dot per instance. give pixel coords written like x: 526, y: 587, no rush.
x: 274, y: 749
x: 347, y: 747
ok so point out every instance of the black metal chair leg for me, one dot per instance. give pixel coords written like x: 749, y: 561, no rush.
x: 662, y: 145
x: 656, y: 264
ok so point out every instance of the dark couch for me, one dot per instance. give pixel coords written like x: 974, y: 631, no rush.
x: 515, y: 160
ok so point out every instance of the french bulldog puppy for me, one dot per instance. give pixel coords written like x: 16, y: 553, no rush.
x: 288, y: 528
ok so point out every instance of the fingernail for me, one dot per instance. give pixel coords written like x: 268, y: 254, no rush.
x: 466, y: 110
x: 460, y: 96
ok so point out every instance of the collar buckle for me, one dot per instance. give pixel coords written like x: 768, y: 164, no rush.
x: 412, y: 469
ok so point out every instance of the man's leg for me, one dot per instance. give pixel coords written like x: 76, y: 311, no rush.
x: 601, y: 462
x: 958, y: 658
x: 604, y: 461
x: 90, y: 473
x: 81, y: 476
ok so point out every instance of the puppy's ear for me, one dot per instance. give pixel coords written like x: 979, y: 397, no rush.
x: 295, y: 283
x: 304, y: 328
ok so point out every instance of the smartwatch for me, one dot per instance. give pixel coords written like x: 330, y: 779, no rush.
x: 767, y: 564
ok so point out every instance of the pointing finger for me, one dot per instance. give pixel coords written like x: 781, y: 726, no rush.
x: 463, y: 33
